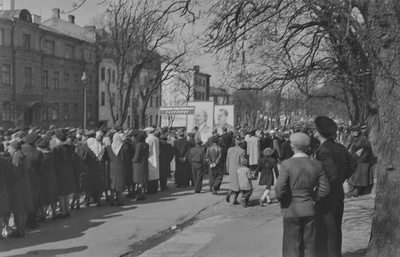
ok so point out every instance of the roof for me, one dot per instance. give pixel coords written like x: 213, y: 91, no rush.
x: 21, y: 14
x: 69, y: 29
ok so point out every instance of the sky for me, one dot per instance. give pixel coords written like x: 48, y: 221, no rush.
x: 85, y: 14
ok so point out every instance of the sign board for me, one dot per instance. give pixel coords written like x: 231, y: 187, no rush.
x: 176, y: 110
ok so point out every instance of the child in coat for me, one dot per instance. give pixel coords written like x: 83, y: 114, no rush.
x: 245, y: 175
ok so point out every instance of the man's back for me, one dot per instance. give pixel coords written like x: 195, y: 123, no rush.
x: 298, y: 178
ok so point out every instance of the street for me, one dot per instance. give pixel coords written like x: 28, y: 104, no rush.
x: 206, y: 226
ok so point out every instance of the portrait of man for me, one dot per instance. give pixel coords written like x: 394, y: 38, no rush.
x: 202, y: 120
x: 224, y: 118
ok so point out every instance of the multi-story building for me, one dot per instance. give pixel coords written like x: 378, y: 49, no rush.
x: 201, y: 85
x: 109, y: 99
x: 41, y: 68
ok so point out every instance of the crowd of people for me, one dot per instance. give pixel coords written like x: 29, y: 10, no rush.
x: 44, y: 173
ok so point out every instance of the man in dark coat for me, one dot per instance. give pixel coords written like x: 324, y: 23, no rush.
x: 226, y: 141
x: 166, y: 156
x: 214, y: 161
x: 301, y: 182
x: 183, y: 169
x: 338, y: 166
x: 286, y: 149
x: 197, y: 161
x: 33, y: 160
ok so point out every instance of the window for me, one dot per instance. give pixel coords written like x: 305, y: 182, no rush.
x: 66, y: 80
x: 28, y: 77
x: 26, y: 41
x: 151, y: 101
x: 86, y: 55
x: 103, y: 98
x: 203, y: 96
x: 103, y: 74
x: 66, y: 112
x: 45, y: 113
x: 156, y: 101
x: 1, y: 37
x: 6, y: 111
x: 48, y: 47
x: 112, y: 99
x: 69, y: 52
x: 129, y: 121
x: 56, y: 79
x: 75, y: 82
x: 75, y: 113
x: 89, y: 111
x: 6, y: 74
x: 151, y: 120
x: 113, y: 76
x: 55, y: 111
x: 156, y: 121
x: 90, y: 84
x: 45, y: 79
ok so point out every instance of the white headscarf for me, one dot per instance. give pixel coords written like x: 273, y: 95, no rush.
x: 96, y: 147
x: 117, y: 143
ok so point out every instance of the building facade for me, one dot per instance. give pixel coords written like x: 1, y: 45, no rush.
x: 201, y: 85
x: 41, y: 68
x: 109, y: 97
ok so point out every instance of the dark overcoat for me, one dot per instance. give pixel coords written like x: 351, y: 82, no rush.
x: 64, y: 157
x: 363, y: 175
x: 4, y: 206
x: 33, y: 162
x: 140, y: 163
x: 20, y: 194
x: 183, y: 169
x: 93, y: 176
x: 266, y: 166
x: 48, y: 180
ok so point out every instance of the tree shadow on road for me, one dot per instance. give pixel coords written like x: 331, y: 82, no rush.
x: 358, y: 253
x: 53, y: 252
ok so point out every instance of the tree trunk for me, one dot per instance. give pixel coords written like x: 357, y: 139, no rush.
x: 384, y: 120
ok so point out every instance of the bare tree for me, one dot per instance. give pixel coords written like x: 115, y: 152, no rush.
x: 346, y: 50
x: 140, y: 38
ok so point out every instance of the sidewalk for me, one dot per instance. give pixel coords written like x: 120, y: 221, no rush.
x: 257, y: 231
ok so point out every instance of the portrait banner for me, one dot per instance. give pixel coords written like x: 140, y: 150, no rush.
x: 203, y: 119
x: 224, y: 116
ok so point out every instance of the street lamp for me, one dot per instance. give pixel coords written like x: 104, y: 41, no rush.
x: 84, y: 79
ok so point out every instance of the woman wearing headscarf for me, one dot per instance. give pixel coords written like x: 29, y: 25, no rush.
x: 47, y: 177
x: 266, y: 166
x: 116, y: 154
x: 64, y: 155
x: 141, y: 165
x: 93, y: 155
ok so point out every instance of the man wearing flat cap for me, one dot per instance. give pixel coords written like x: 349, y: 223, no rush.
x: 301, y: 182
x: 214, y: 160
x: 338, y: 166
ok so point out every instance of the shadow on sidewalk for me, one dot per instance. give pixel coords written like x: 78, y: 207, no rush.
x: 358, y: 253
x: 53, y: 252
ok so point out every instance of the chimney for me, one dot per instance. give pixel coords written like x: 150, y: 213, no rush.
x: 71, y: 18
x: 36, y: 19
x: 8, y: 5
x: 196, y: 68
x: 56, y: 13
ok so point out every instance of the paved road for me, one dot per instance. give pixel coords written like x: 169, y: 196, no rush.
x: 220, y: 229
x: 111, y: 231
